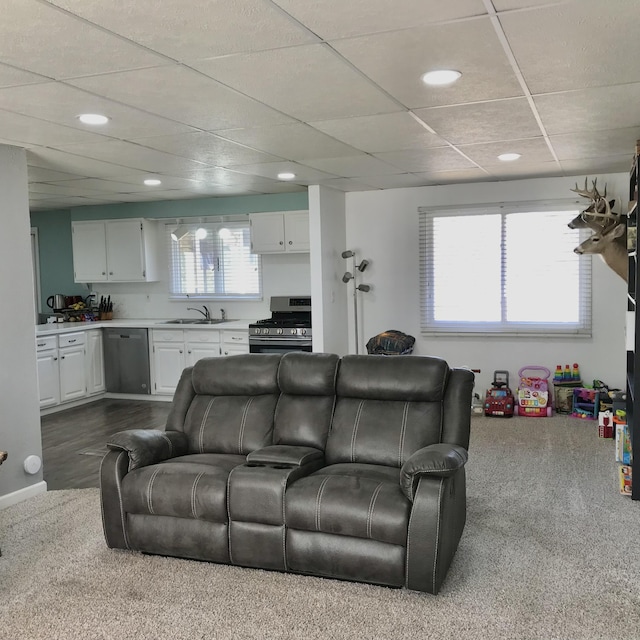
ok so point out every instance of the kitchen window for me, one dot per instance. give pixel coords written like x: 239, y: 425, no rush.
x: 213, y: 260
x: 503, y: 269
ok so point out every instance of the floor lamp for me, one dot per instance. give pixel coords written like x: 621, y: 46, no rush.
x: 349, y: 276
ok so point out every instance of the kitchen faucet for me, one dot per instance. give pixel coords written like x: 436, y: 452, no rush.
x: 224, y: 314
x: 206, y: 313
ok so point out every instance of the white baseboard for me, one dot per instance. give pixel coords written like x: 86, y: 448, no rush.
x: 23, y: 494
x: 137, y: 396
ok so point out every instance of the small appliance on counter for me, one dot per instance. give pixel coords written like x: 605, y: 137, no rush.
x: 57, y: 302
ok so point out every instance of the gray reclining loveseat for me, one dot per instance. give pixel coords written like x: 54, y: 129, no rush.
x: 349, y: 468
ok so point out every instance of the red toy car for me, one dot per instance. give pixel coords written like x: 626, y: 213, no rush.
x: 499, y: 399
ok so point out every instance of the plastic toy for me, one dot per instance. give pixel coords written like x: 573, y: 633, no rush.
x: 499, y: 400
x: 533, y: 394
x: 585, y: 403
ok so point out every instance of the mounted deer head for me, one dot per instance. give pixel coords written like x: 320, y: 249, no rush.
x: 609, y: 237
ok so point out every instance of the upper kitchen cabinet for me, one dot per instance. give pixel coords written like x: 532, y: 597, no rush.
x: 122, y: 250
x: 281, y: 232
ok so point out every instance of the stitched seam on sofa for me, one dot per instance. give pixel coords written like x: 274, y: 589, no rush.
x: 229, y: 515
x: 193, y: 494
x: 319, y: 499
x: 202, y: 425
x: 460, y: 456
x: 444, y: 390
x: 372, y: 505
x: 356, y: 423
x: 284, y: 527
x: 149, y: 489
x: 406, y: 555
x: 403, y: 432
x: 435, y: 556
x: 166, y: 437
x: 243, y: 423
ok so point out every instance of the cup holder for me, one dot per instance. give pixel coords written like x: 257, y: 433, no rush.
x: 253, y: 464
x: 283, y: 466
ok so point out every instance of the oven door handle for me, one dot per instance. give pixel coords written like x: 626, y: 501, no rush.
x: 278, y: 342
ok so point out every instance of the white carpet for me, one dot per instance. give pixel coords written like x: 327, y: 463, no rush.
x: 550, y: 551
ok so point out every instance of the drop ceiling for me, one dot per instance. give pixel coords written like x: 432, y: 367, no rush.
x: 216, y: 97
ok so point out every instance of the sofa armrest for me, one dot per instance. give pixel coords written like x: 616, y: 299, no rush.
x: 442, y: 460
x: 148, y: 446
x: 285, y: 454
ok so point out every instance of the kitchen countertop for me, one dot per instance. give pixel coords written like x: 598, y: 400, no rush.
x: 142, y: 323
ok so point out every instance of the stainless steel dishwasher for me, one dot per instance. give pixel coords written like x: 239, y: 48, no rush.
x: 126, y: 360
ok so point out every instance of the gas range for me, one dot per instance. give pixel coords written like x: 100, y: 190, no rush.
x: 288, y: 328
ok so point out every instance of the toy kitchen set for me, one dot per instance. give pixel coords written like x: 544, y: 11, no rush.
x: 77, y: 309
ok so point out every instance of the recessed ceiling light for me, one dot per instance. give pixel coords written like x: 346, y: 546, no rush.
x: 508, y: 157
x: 440, y: 77
x: 93, y: 118
x: 286, y: 175
x: 152, y: 182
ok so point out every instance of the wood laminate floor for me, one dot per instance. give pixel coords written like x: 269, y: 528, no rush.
x: 73, y: 441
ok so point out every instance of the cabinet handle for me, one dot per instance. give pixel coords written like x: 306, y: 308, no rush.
x: 110, y: 273
x: 55, y: 359
x: 61, y: 357
x: 189, y: 352
x: 41, y: 344
x: 235, y: 338
x: 226, y: 353
x: 180, y: 350
x: 70, y: 341
x: 290, y: 242
x: 281, y: 242
x: 104, y: 273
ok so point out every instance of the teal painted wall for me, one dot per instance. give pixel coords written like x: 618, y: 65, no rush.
x: 54, y: 228
x: 55, y: 256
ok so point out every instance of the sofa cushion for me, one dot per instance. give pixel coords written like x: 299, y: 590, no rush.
x: 357, y: 500
x: 191, y: 486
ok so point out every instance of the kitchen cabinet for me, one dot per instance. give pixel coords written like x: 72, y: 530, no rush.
x: 123, y: 250
x: 94, y: 363
x: 234, y: 342
x: 174, y: 349
x: 61, y: 368
x: 280, y: 232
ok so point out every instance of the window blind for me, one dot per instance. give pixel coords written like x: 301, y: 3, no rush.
x: 506, y: 269
x: 212, y: 260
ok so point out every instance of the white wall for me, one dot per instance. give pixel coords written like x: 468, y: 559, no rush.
x: 328, y: 241
x: 19, y: 412
x: 383, y: 225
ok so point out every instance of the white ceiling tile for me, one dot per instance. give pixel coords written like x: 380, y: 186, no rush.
x: 356, y: 166
x: 508, y: 5
x: 61, y: 103
x: 207, y: 148
x: 24, y: 129
x: 347, y: 184
x: 590, y: 109
x: 424, y: 160
x: 338, y: 19
x: 127, y: 182
x: 514, y: 170
x: 103, y: 187
x: 454, y: 177
x: 482, y: 122
x: 397, y: 181
x: 290, y: 141
x: 38, y: 37
x: 594, y: 40
x: 69, y: 163
x: 11, y: 77
x: 304, y: 175
x: 384, y: 132
x: 605, y: 164
x: 397, y: 60
x: 214, y: 27
x: 532, y: 150
x: 38, y: 174
x: 595, y: 144
x: 131, y: 155
x: 62, y: 190
x: 185, y: 96
x: 308, y: 82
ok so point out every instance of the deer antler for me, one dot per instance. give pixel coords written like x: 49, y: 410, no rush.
x: 602, y: 209
x: 592, y: 194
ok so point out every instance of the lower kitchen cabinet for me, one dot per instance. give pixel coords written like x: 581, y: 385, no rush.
x: 61, y: 368
x: 94, y: 362
x: 234, y: 342
x: 174, y: 349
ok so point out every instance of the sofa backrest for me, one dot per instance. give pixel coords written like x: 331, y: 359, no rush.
x: 388, y: 407
x: 307, y: 384
x: 227, y: 404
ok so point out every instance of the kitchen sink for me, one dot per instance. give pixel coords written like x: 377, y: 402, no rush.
x: 194, y: 321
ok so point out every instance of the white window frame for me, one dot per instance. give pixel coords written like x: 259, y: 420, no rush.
x: 177, y: 288
x: 503, y: 328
